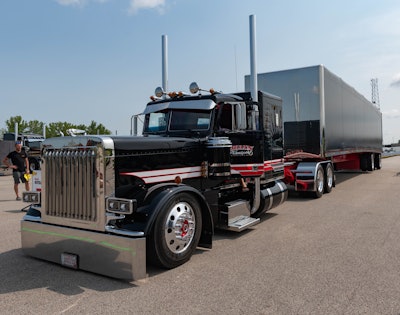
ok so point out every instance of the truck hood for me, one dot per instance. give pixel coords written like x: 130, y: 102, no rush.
x: 122, y: 143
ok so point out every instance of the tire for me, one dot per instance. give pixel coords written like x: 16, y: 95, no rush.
x: 370, y: 162
x: 378, y: 162
x: 34, y: 165
x: 363, y: 163
x: 176, y: 232
x: 319, y: 182
x: 329, y: 178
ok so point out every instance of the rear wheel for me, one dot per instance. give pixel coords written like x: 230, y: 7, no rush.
x: 319, y: 182
x: 371, y: 162
x: 329, y: 178
x: 377, y: 159
x: 176, y: 232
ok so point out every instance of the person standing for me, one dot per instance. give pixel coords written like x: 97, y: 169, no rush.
x: 20, y: 166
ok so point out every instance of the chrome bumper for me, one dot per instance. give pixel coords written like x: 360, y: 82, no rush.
x: 110, y: 255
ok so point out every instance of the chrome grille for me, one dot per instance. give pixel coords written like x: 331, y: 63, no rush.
x: 70, y: 183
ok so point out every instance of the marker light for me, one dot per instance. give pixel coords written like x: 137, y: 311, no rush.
x: 178, y: 180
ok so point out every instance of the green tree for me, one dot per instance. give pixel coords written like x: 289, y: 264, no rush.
x: 54, y: 129
x: 97, y: 129
x: 59, y: 128
x: 10, y: 123
x: 35, y: 126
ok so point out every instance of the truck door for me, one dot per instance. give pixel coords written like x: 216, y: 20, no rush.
x: 247, y: 144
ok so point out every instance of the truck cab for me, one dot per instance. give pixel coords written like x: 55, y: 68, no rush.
x: 205, y: 161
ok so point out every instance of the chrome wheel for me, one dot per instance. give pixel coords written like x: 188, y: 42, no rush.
x: 328, y: 178
x: 180, y: 227
x: 176, y: 231
x: 319, y: 181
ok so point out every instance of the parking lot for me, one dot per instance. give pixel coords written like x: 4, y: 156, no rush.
x: 339, y: 254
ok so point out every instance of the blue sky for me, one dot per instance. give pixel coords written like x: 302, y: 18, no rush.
x: 84, y: 60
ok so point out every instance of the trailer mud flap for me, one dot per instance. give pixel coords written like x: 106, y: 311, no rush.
x: 106, y: 254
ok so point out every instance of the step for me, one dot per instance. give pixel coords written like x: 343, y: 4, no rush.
x: 241, y: 223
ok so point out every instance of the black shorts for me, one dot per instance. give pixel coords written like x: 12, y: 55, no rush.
x: 19, y: 177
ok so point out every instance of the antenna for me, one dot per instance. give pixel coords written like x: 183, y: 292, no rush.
x: 375, y: 92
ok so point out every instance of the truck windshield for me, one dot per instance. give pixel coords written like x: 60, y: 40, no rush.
x: 189, y: 120
x: 34, y: 145
x: 156, y: 122
x: 177, y: 120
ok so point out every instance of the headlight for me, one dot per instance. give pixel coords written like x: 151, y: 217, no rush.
x: 31, y: 197
x: 120, y: 205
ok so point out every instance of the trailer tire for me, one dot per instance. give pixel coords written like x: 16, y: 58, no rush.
x: 363, y: 163
x: 176, y: 232
x: 378, y: 162
x: 319, y: 182
x: 329, y: 178
x: 371, y: 162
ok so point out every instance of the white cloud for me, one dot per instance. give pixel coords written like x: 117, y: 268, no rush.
x: 134, y: 6
x: 137, y: 5
x: 393, y: 113
x: 77, y: 2
x: 396, y: 81
x: 71, y: 2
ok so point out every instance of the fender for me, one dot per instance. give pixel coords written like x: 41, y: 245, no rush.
x: 162, y: 194
x: 306, y: 173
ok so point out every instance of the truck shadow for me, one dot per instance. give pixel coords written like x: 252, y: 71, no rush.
x: 341, y: 177
x: 21, y: 273
x: 232, y: 235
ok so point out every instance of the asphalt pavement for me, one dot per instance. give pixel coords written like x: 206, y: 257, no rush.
x: 339, y: 254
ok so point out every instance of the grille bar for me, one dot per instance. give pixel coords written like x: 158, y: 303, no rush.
x: 71, y: 183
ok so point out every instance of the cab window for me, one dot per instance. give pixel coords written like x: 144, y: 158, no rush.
x: 189, y: 120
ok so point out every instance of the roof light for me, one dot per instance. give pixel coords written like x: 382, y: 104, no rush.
x: 159, y: 92
x: 194, y: 88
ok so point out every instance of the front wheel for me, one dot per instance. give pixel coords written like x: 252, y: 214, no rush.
x: 176, y: 232
x: 34, y: 165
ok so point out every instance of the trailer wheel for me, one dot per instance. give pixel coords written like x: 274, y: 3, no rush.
x: 371, y: 162
x: 319, y: 182
x: 329, y: 178
x: 377, y: 159
x: 176, y: 232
